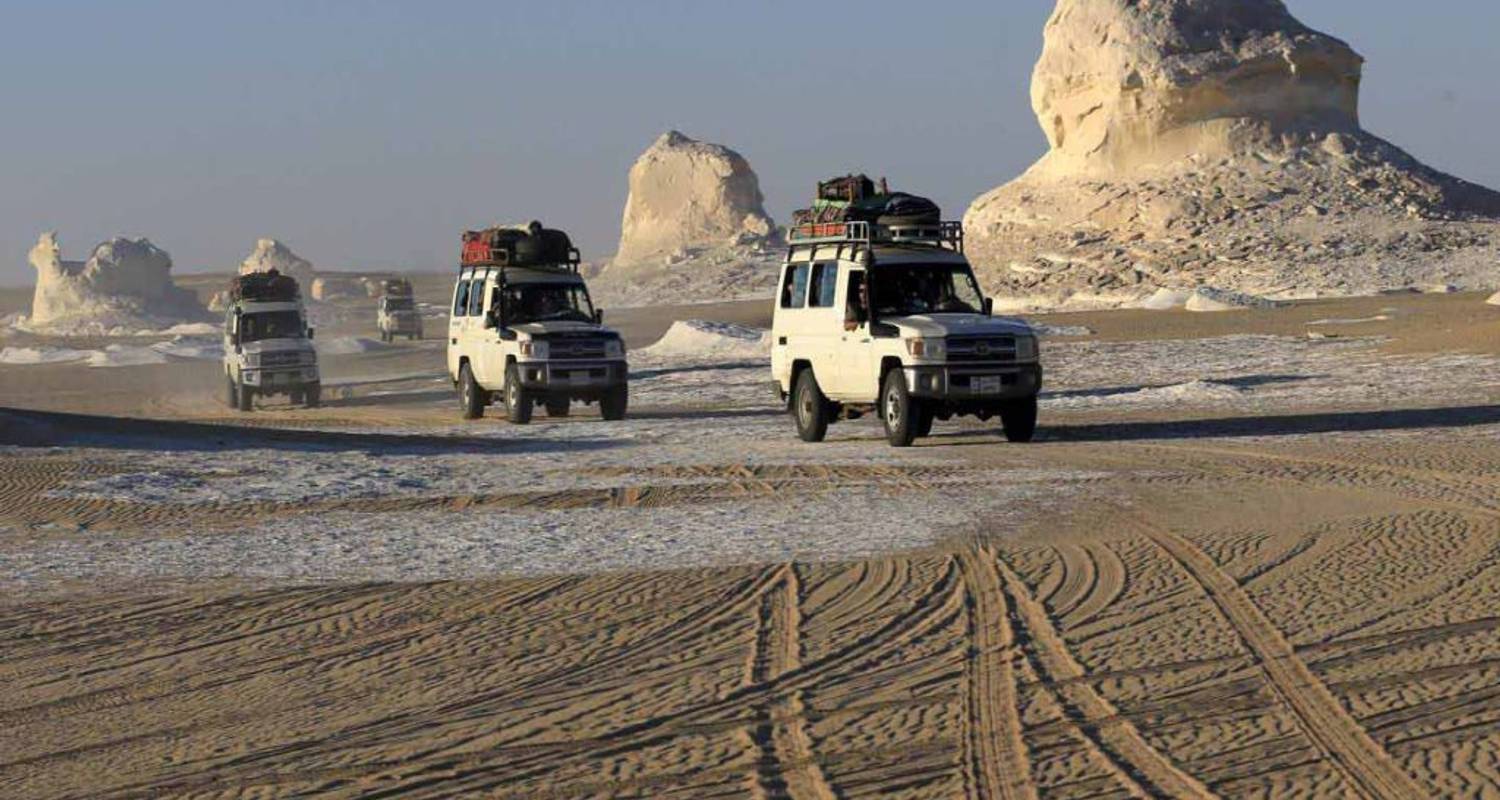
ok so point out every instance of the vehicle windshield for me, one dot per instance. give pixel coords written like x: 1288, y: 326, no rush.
x: 271, y: 325
x: 546, y: 302
x: 904, y: 289
x: 398, y: 304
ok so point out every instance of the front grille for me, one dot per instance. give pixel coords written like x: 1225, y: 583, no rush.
x: 287, y: 359
x: 982, y: 348
x: 576, y: 348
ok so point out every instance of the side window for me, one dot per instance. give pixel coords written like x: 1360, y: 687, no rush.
x: 824, y: 285
x: 854, y: 303
x: 461, y: 299
x: 476, y: 298
x: 794, y: 286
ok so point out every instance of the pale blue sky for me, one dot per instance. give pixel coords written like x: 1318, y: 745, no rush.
x: 370, y: 134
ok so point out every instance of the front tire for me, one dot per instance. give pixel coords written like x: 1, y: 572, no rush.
x: 924, y: 420
x: 244, y: 396
x: 470, y: 396
x: 518, y: 401
x: 313, y: 395
x: 898, y: 410
x: 810, y: 407
x: 614, y: 402
x: 1019, y: 419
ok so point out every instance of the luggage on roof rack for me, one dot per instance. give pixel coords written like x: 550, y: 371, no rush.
x: 519, y: 246
x: 265, y: 287
x: 856, y: 198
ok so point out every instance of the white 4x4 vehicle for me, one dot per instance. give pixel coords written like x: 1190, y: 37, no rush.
x: 892, y: 320
x: 397, y: 315
x: 531, y: 335
x: 268, y: 345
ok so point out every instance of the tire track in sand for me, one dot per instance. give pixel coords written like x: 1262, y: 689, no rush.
x: 783, y: 738
x: 1337, y: 734
x: 1117, y: 736
x: 995, y: 759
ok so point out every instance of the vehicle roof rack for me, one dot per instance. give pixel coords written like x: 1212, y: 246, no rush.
x: 503, y: 261
x: 860, y: 233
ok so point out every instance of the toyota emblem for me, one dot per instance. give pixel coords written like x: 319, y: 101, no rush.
x: 983, y: 348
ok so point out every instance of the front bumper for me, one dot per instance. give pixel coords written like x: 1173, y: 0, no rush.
x: 399, y: 325
x: 280, y: 379
x: 572, y: 377
x: 974, y: 381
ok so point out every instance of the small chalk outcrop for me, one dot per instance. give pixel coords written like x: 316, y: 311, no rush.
x: 686, y: 194
x: 270, y: 254
x: 333, y: 287
x: 1494, y: 299
x: 1216, y: 142
x: 124, y: 286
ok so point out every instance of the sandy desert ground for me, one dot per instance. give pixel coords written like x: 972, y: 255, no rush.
x: 1252, y: 554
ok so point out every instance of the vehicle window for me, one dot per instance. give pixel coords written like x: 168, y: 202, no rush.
x: 539, y: 302
x: 270, y: 325
x: 824, y: 285
x: 398, y: 304
x: 902, y: 289
x: 794, y: 286
x: 461, y: 300
x: 476, y: 298
x: 854, y: 287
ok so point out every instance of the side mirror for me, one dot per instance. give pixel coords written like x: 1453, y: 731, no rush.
x: 989, y: 306
x: 598, y: 316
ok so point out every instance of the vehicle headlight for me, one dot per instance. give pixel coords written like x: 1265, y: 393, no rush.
x: 930, y: 349
x: 532, y: 348
x: 1026, y: 348
x: 614, y: 348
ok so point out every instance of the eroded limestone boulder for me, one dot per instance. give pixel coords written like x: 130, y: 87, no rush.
x: 124, y: 284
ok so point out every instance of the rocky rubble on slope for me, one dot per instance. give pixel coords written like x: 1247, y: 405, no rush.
x: 124, y: 286
x: 1210, y: 142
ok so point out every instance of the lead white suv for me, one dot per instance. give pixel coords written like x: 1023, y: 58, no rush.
x: 531, y: 336
x: 892, y: 320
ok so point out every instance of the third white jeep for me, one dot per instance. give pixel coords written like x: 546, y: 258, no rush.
x: 892, y: 320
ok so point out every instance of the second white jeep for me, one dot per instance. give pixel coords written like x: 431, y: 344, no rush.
x: 892, y: 320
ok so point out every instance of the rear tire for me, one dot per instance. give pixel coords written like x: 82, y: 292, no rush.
x: 1019, y: 419
x: 613, y: 404
x: 470, y: 397
x: 898, y: 409
x: 810, y: 407
x: 313, y: 395
x: 557, y: 408
x: 518, y: 401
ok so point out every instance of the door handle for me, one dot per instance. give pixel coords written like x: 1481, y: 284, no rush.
x: 782, y: 340
x: 452, y: 341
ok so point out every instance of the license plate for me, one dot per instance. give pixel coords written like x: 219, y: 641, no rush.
x: 988, y: 384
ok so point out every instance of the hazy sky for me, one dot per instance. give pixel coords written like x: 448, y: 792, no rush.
x: 370, y: 134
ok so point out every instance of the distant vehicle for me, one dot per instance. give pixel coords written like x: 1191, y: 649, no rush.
x: 889, y: 318
x: 396, y: 313
x: 268, y: 346
x: 523, y: 327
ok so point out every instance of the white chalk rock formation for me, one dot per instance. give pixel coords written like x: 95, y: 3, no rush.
x: 1215, y: 142
x: 125, y: 285
x: 270, y: 254
x: 1494, y: 299
x: 685, y: 195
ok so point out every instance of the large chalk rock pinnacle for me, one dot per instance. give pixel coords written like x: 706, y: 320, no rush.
x: 270, y: 254
x: 124, y: 283
x: 1215, y: 143
x: 687, y: 194
x: 1123, y: 84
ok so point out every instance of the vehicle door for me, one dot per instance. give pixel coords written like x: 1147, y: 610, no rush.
x: 824, y: 324
x: 855, y: 377
x: 493, y: 347
x: 789, y: 322
x: 457, y: 313
x: 484, y: 335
